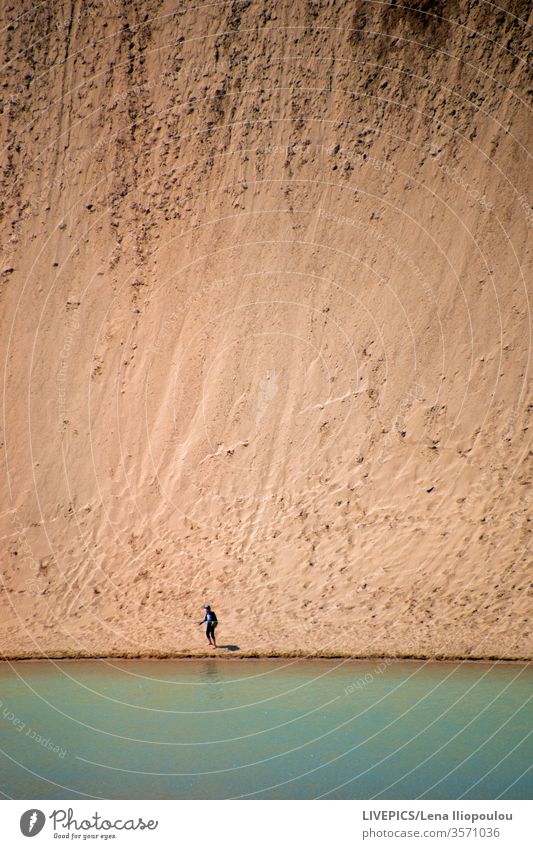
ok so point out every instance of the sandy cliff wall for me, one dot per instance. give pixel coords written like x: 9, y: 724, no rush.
x: 266, y: 329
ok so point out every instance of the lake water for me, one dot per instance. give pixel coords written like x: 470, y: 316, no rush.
x: 284, y: 729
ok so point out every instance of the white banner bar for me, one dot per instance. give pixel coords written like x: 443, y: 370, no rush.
x: 267, y: 824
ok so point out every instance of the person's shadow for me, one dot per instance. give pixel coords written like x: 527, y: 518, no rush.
x: 230, y: 648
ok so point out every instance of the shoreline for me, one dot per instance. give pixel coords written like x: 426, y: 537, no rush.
x: 251, y: 655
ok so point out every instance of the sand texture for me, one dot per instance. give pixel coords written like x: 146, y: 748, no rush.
x: 266, y: 335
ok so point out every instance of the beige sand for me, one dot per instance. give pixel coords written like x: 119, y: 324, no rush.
x: 266, y: 330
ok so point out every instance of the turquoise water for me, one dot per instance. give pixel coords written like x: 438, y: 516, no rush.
x: 218, y: 729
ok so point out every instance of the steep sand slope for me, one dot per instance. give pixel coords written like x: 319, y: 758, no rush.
x: 266, y: 330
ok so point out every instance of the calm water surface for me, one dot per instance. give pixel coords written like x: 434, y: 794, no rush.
x: 265, y: 729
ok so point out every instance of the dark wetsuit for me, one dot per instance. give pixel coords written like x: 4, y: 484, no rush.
x: 212, y: 622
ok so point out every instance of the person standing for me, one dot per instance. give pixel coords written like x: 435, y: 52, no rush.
x: 211, y: 621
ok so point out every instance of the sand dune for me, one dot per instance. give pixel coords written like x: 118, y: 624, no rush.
x: 266, y: 327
